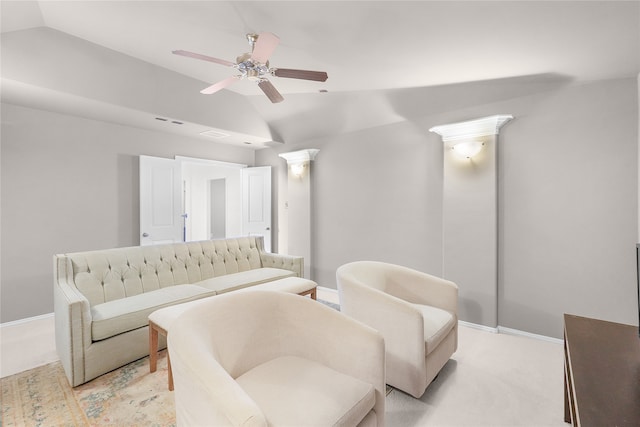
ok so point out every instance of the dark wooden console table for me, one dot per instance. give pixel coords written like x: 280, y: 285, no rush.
x: 602, y: 373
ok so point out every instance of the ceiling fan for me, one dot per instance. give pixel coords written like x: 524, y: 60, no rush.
x: 254, y: 66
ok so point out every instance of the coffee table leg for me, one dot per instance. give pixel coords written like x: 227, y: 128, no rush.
x: 153, y: 347
x: 170, y: 372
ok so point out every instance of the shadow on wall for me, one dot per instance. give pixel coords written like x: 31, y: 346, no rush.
x: 471, y: 309
x: 419, y: 102
x: 305, y: 117
x: 128, y: 200
x: 530, y: 319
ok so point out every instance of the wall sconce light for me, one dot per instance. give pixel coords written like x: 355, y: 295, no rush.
x: 467, y: 149
x: 297, y: 169
x: 299, y: 161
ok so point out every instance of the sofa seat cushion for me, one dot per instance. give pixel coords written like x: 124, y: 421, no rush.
x: 126, y: 314
x: 437, y: 324
x: 293, y: 391
x: 244, y: 279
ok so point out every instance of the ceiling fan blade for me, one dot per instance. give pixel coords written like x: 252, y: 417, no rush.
x: 220, y: 85
x: 264, y: 47
x: 318, y: 76
x: 271, y: 91
x: 203, y: 57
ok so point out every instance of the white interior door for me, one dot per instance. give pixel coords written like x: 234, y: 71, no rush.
x: 256, y: 203
x: 161, y: 218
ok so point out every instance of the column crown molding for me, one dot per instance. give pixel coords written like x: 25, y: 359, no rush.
x: 473, y: 128
x: 300, y: 156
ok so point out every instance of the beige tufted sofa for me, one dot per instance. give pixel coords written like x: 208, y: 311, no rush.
x: 102, y: 299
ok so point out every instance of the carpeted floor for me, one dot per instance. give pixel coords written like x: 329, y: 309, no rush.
x: 492, y: 380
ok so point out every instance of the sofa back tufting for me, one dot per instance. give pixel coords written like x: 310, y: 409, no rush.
x: 108, y: 275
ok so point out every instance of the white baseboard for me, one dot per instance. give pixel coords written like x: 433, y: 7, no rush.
x: 477, y: 326
x: 26, y: 320
x: 27, y: 343
x: 510, y: 331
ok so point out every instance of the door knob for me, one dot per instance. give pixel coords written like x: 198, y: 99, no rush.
x: 145, y: 234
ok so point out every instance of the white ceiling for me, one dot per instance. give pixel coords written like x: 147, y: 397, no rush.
x: 362, y: 45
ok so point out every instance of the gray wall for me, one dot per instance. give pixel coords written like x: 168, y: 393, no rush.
x: 568, y: 192
x: 569, y: 207
x: 71, y: 184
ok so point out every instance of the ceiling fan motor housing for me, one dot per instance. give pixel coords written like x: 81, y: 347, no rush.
x: 250, y: 69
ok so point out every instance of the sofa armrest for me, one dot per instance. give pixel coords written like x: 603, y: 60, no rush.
x: 286, y: 262
x: 72, y: 322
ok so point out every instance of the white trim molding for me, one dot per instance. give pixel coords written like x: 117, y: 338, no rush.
x: 478, y: 326
x: 300, y: 156
x: 473, y: 128
x: 26, y: 320
x: 510, y: 331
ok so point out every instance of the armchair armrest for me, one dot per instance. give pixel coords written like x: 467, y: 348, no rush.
x: 422, y: 288
x: 341, y: 343
x: 205, y: 393
x: 72, y: 322
x: 287, y: 262
x: 393, y: 317
x: 254, y: 327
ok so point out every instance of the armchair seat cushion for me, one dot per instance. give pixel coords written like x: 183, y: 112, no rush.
x: 244, y: 279
x: 437, y: 324
x: 289, y: 389
x: 126, y: 314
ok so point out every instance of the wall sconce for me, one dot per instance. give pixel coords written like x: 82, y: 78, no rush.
x: 297, y: 169
x: 299, y: 161
x: 467, y: 149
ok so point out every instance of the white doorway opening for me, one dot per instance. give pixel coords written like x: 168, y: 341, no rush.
x: 213, y: 199
x: 217, y: 208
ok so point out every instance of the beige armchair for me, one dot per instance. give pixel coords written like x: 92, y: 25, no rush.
x: 415, y: 312
x: 263, y: 358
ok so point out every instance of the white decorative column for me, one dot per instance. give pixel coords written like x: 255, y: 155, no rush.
x: 470, y: 215
x: 299, y: 204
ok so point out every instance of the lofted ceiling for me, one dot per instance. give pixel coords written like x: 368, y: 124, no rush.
x: 364, y: 46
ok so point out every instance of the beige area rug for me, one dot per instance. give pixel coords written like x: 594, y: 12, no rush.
x: 129, y: 396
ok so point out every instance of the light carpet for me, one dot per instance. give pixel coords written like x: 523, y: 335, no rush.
x: 492, y: 380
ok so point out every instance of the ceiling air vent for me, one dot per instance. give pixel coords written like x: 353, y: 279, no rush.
x: 214, y: 134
